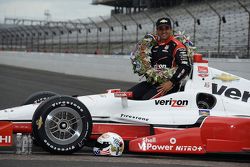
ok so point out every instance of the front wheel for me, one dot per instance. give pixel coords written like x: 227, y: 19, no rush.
x: 62, y: 125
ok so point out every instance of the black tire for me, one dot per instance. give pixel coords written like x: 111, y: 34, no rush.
x: 62, y: 125
x: 38, y: 97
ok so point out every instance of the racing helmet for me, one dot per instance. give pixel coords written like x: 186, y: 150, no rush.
x: 109, y: 144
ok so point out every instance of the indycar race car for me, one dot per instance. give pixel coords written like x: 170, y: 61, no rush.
x: 209, y: 114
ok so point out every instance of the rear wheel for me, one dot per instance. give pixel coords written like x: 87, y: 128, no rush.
x: 62, y: 125
x: 39, y: 97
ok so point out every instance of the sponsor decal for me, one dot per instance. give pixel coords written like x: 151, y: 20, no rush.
x: 182, y: 50
x: 183, y: 56
x: 58, y: 148
x: 134, y: 117
x: 207, y: 84
x: 149, y: 140
x: 172, y: 140
x: 188, y: 148
x: 203, y: 75
x: 166, y: 47
x: 226, y: 77
x: 204, y: 112
x: 185, y: 62
x: 5, y: 139
x: 232, y: 93
x: 39, y: 123
x: 147, y: 145
x: 172, y: 103
x: 160, y: 66
x: 203, y: 71
x: 40, y: 100
x: 181, y: 73
x: 163, y: 21
x: 82, y: 142
x: 64, y: 103
x: 150, y: 146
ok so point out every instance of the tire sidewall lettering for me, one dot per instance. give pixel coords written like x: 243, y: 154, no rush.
x: 64, y: 101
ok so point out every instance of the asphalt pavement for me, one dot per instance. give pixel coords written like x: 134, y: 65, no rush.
x: 16, y: 84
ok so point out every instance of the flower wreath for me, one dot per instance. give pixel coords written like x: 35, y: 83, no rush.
x: 141, y: 58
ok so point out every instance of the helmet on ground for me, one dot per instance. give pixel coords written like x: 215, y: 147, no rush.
x: 109, y: 144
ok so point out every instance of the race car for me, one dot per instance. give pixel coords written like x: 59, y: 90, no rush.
x: 210, y: 113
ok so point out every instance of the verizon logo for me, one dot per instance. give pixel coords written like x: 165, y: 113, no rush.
x: 172, y: 103
x: 5, y: 139
x: 232, y: 93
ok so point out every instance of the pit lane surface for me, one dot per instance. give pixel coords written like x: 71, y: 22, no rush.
x: 16, y: 84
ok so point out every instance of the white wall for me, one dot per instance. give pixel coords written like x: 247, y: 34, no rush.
x: 101, y: 66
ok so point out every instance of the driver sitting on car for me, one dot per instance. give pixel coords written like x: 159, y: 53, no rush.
x: 167, y: 53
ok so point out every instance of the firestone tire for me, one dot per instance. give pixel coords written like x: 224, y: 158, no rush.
x: 35, y: 98
x: 62, y: 125
x: 38, y: 97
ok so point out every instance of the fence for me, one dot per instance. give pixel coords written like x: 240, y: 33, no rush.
x: 216, y: 30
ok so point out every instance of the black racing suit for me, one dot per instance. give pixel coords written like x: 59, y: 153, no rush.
x: 167, y: 54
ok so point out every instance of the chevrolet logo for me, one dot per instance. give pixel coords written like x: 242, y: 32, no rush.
x: 226, y: 77
x: 163, y: 21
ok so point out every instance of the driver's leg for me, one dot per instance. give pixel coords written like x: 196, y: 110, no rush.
x: 139, y: 90
x: 152, y: 92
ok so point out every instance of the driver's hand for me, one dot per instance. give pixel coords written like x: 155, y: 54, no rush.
x: 165, y: 87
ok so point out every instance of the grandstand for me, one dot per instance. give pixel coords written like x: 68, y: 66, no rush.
x: 219, y: 28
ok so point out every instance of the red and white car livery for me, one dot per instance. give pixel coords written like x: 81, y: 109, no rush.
x: 210, y: 113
